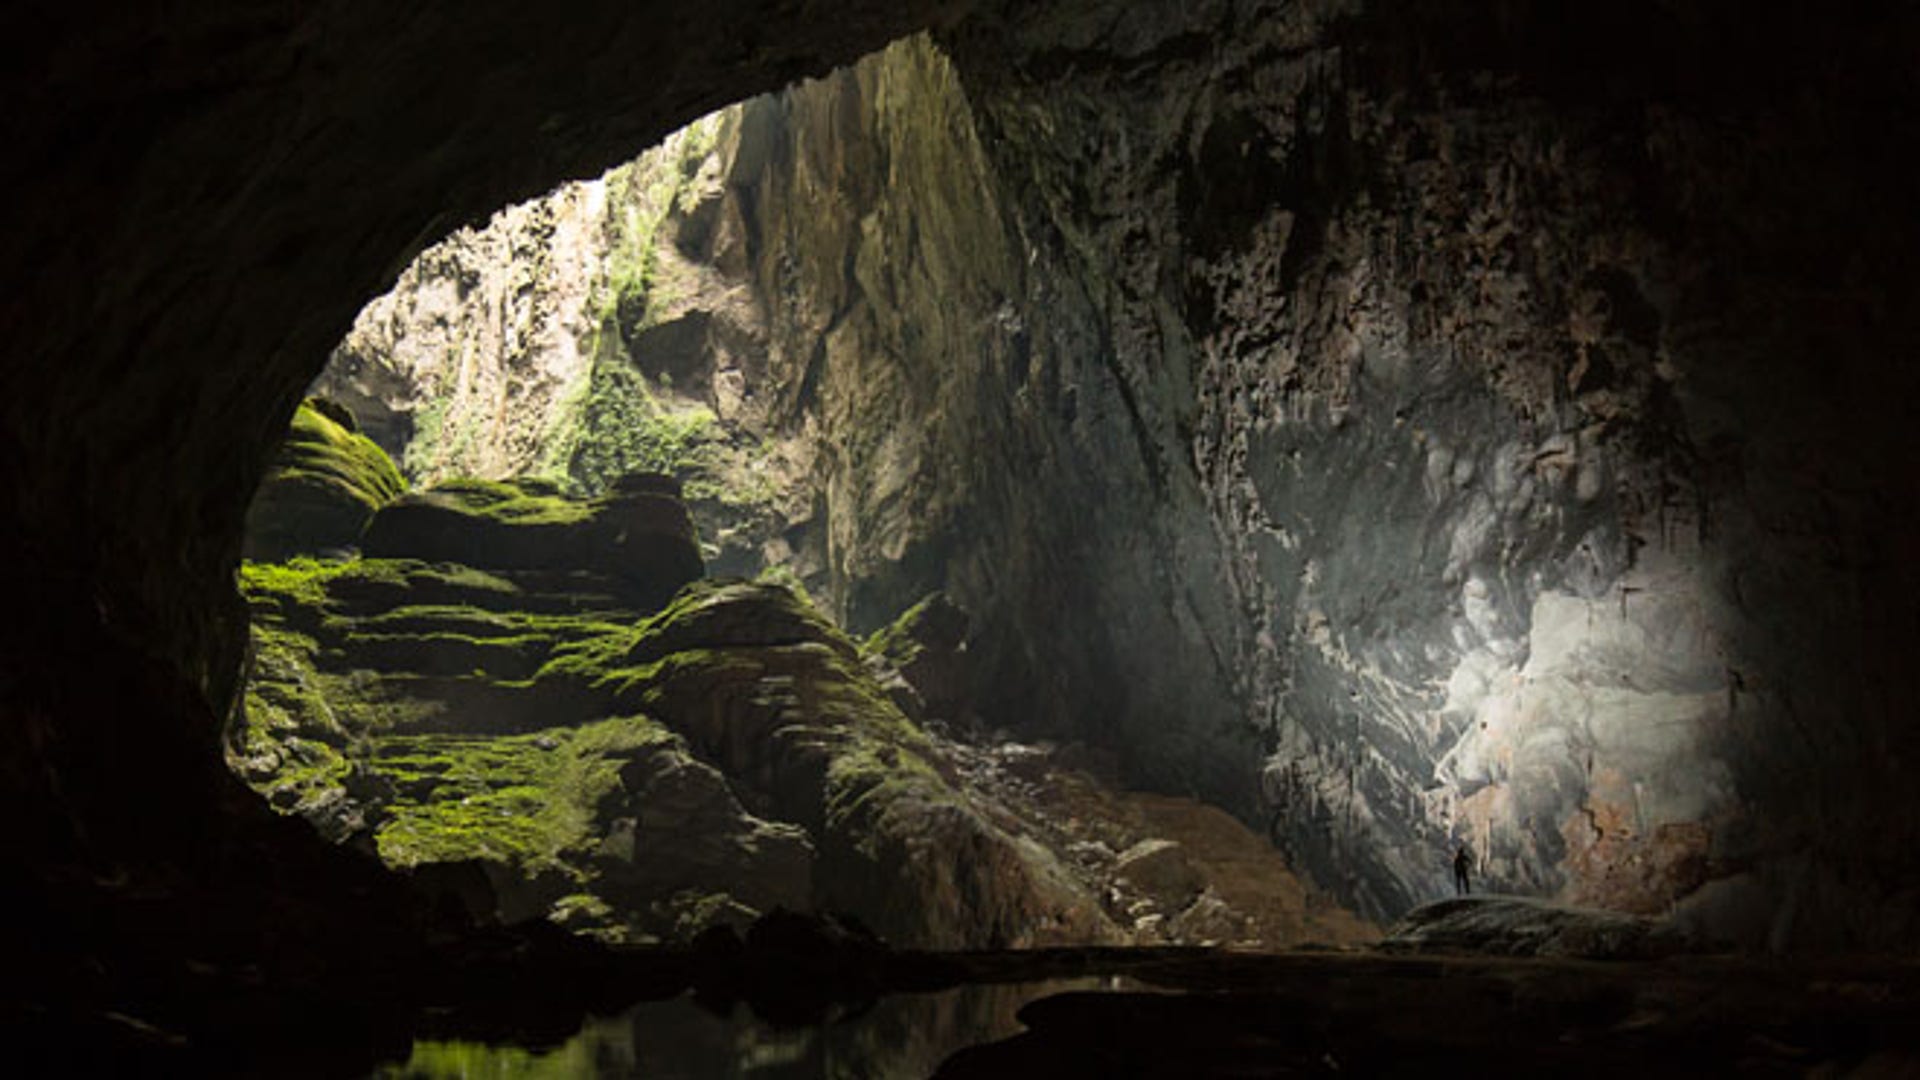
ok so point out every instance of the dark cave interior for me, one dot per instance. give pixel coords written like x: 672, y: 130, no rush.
x: 1385, y: 426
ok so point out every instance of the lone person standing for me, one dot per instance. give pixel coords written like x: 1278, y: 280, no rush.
x: 1462, y: 862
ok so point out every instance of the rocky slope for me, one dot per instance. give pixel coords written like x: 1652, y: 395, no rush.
x: 534, y: 706
x: 1360, y: 388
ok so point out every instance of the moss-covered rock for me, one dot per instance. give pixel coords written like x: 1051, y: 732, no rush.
x: 756, y: 762
x: 327, y: 483
x: 638, y: 537
x: 921, y: 659
x: 766, y: 688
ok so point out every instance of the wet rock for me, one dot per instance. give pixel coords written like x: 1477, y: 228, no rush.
x: 1519, y: 926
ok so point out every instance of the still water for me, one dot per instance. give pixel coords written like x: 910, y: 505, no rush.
x: 906, y: 1035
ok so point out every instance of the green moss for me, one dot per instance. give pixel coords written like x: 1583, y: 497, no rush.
x: 422, y: 450
x: 319, y: 448
x: 643, y: 194
x: 301, y: 581
x: 437, y: 1060
x: 318, y: 585
x: 525, y: 800
x: 782, y: 575
x: 479, y: 622
x: 530, y: 501
x: 624, y: 428
x: 895, y: 641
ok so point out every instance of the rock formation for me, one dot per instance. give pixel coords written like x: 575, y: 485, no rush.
x: 325, y: 487
x: 534, y: 706
x: 1452, y: 420
x: 1364, y: 404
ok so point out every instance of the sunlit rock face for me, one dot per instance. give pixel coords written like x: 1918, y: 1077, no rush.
x: 1491, y: 402
x: 1380, y: 425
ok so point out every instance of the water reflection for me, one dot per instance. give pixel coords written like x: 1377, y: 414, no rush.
x: 904, y: 1035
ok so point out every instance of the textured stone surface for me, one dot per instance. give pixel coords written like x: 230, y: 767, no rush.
x: 196, y: 203
x: 1473, y: 460
x: 327, y: 483
x: 1516, y: 926
x: 637, y: 542
x: 1358, y: 418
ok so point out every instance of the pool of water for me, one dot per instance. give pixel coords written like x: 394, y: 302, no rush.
x: 905, y: 1035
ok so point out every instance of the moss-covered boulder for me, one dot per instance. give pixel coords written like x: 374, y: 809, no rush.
x: 921, y: 659
x: 638, y: 536
x: 614, y: 810
x: 327, y: 483
x: 751, y: 761
x: 774, y: 695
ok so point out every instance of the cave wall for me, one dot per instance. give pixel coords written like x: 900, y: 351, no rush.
x: 1395, y: 423
x: 1402, y: 428
x: 1536, y: 381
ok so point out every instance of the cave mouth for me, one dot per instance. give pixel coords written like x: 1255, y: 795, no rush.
x: 1455, y: 426
x: 548, y: 614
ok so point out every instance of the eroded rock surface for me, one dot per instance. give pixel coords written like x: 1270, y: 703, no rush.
x: 1359, y: 422
x: 535, y: 735
x: 1519, y: 926
x: 327, y: 485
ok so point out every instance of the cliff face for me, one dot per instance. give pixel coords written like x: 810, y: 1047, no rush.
x: 1399, y: 431
x: 1492, y: 392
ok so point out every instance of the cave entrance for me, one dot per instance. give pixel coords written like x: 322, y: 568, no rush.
x: 555, y: 584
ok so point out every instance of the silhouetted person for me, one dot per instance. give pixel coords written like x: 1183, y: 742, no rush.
x: 1462, y: 862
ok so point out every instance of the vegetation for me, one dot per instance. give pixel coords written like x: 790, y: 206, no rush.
x: 524, y: 800
x: 345, y: 707
x: 316, y: 584
x: 623, y: 428
x: 452, y: 1060
x: 327, y: 482
x: 783, y: 576
x: 895, y: 641
x: 321, y: 449
x: 522, y: 501
x: 646, y: 192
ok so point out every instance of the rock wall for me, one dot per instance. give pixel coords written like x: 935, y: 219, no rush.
x: 1398, y: 428
x: 1528, y: 427
x: 198, y: 202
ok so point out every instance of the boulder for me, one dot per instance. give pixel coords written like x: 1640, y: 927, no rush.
x: 927, y: 647
x: 326, y: 484
x: 639, y: 537
x: 1159, y: 871
x: 1521, y: 926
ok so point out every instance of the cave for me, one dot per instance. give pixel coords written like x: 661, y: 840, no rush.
x: 1380, y: 430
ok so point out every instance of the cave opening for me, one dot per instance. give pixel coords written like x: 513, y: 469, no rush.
x: 1170, y: 474
x: 604, y: 574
